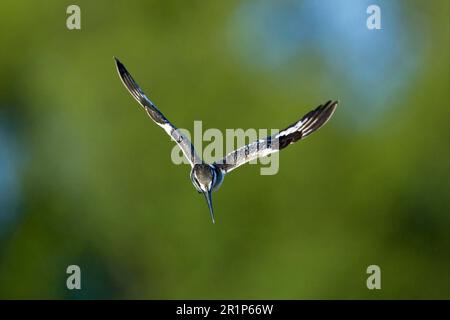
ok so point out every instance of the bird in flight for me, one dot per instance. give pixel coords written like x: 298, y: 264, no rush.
x: 206, y: 177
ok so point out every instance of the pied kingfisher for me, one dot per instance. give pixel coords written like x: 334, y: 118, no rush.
x: 208, y: 177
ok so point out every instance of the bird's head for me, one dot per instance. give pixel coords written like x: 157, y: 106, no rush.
x: 203, y: 177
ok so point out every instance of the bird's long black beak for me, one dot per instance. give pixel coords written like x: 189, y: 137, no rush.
x: 207, y: 195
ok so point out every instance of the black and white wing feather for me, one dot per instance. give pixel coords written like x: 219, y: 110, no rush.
x: 183, y: 142
x: 311, y: 122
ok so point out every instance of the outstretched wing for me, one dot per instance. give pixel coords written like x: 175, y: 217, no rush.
x: 183, y: 142
x: 312, y: 121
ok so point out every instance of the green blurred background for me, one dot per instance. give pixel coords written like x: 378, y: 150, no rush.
x: 86, y: 178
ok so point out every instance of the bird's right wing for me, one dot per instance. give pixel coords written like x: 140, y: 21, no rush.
x: 183, y: 142
x: 312, y: 121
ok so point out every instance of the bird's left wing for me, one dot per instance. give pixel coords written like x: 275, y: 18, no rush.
x: 183, y: 142
x: 312, y: 121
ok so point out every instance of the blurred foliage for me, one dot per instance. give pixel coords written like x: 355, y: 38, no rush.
x: 98, y: 189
